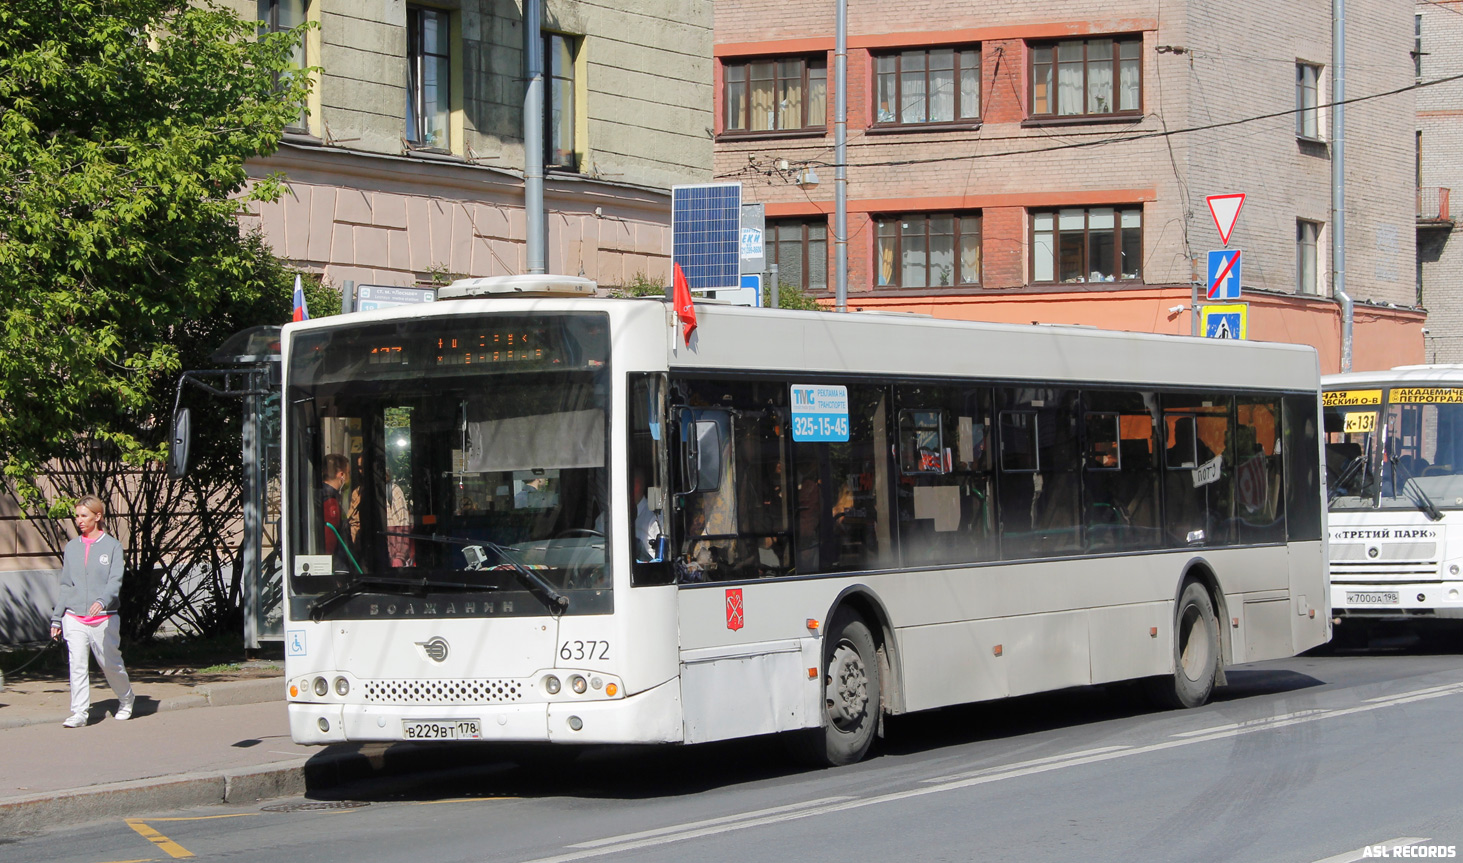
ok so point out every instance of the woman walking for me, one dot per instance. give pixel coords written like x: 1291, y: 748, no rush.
x: 86, y: 610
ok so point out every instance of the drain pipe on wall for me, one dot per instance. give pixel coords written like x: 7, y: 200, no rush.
x: 533, y: 137
x: 1338, y: 179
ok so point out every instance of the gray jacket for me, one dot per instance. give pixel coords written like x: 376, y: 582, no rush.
x: 84, y: 581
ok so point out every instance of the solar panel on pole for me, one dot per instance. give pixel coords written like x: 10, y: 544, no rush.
x: 706, y: 228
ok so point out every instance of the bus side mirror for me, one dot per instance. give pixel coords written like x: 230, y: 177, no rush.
x: 178, y: 447
x: 701, y: 453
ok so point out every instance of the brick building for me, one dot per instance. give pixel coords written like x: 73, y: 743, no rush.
x: 1439, y: 50
x: 1048, y: 161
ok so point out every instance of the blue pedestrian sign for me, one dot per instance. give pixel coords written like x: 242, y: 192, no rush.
x: 1224, y: 274
x: 1229, y: 321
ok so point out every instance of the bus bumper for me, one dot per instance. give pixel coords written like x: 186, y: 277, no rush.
x: 652, y: 716
x: 1439, y: 599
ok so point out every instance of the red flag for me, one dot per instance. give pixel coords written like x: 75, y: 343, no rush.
x: 685, y: 308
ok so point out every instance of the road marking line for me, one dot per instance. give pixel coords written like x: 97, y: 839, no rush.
x: 1005, y: 767
x: 1352, y: 856
x: 461, y: 800
x: 207, y: 817
x: 1252, y: 723
x: 761, y: 818
x: 171, y: 848
x: 645, y: 834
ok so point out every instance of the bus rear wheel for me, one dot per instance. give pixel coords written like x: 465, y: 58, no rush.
x: 851, y: 697
x: 1196, y: 653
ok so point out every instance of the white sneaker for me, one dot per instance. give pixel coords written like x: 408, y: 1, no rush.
x: 75, y: 720
x: 124, y: 712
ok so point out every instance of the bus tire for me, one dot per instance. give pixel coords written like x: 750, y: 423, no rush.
x: 851, y: 697
x: 1195, y: 653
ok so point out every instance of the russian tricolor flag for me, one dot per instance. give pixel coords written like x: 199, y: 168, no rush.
x: 302, y: 312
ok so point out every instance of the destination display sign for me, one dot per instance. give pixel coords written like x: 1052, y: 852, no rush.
x: 1426, y: 395
x: 1349, y: 398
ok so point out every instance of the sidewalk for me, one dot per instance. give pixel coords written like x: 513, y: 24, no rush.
x: 187, y: 744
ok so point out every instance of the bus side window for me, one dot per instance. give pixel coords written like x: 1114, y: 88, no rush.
x: 646, y: 485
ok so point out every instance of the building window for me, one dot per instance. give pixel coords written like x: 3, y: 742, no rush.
x: 773, y: 95
x: 1306, y: 235
x: 1087, y: 77
x: 1096, y: 244
x: 800, y: 250
x: 929, y: 250
x: 1307, y: 101
x: 941, y: 85
x: 559, y: 56
x: 428, y: 71
x: 1417, y: 46
x: 278, y: 16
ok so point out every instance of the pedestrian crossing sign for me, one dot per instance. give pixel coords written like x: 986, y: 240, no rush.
x: 1227, y: 321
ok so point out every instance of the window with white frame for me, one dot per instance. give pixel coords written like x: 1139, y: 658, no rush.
x: 1307, y: 274
x: 937, y: 85
x: 1308, y: 101
x: 1092, y: 244
x: 428, y: 72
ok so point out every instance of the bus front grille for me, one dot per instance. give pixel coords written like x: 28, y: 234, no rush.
x: 460, y: 691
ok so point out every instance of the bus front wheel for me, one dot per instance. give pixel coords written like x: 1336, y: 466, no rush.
x: 1196, y: 653
x: 851, y: 697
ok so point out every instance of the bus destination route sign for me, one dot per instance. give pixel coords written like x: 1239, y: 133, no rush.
x: 1350, y: 398
x: 819, y: 413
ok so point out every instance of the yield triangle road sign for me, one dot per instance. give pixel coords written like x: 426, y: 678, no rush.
x: 1225, y: 210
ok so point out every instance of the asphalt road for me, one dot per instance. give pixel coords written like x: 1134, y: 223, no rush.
x: 1308, y: 759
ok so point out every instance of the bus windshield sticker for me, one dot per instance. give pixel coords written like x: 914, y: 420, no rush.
x: 1426, y: 395
x: 819, y: 413
x: 1348, y: 398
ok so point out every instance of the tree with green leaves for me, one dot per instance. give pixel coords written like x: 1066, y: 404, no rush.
x: 124, y: 130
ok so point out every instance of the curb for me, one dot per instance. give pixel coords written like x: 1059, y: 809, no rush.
x: 226, y: 694
x: 327, y: 771
x: 37, y: 812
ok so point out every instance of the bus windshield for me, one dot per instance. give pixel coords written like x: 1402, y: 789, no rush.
x: 1406, y: 454
x: 450, y: 466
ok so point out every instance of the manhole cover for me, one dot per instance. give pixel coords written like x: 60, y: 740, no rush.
x: 314, y: 806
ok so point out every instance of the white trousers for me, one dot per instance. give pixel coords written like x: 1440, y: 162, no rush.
x: 104, y: 640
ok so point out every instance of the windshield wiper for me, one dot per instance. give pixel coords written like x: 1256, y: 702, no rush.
x: 1420, y: 497
x: 556, y: 602
x: 365, y: 584
x: 1357, y: 461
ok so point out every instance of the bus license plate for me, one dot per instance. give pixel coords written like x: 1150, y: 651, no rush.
x: 1373, y: 597
x: 441, y: 729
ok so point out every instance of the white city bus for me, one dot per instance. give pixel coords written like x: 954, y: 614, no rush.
x: 1394, y: 466
x: 546, y: 517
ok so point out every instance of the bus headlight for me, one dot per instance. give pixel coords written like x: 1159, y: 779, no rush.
x: 321, y: 687
x: 578, y: 684
x: 342, y: 686
x: 551, y: 684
